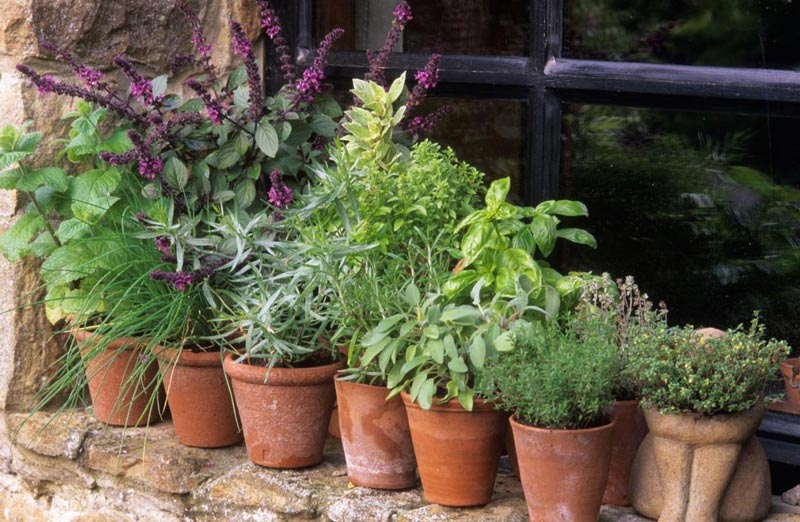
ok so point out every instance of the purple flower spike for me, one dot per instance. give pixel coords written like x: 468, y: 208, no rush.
x: 427, y: 79
x: 216, y: 110
x: 311, y: 82
x: 426, y: 124
x: 272, y: 27
x: 140, y: 86
x: 180, y: 280
x: 402, y: 13
x: 377, y: 60
x: 280, y: 194
x: 241, y: 46
x: 163, y: 245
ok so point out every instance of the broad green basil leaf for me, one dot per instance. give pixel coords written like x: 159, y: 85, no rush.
x: 267, y: 139
x: 579, y: 236
x: 544, y: 233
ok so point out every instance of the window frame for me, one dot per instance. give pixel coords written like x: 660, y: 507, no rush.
x: 547, y: 81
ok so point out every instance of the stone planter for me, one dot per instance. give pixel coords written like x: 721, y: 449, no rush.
x: 629, y: 433
x: 702, y: 469
x: 375, y: 437
x: 563, y: 472
x: 200, y: 400
x: 285, y: 418
x: 457, y: 451
x: 123, y: 383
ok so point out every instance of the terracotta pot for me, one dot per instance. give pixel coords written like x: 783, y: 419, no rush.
x: 375, y: 437
x: 199, y: 398
x: 123, y: 383
x: 563, y: 472
x: 511, y: 450
x: 790, y: 368
x: 285, y: 419
x: 629, y: 433
x: 457, y: 451
x: 694, y: 469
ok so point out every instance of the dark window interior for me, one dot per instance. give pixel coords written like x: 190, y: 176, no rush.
x: 676, y: 122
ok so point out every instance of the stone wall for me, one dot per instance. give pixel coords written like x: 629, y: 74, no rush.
x: 151, y: 33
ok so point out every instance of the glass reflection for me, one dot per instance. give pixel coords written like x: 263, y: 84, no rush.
x: 740, y: 33
x: 477, y: 27
x: 485, y: 133
x: 704, y: 209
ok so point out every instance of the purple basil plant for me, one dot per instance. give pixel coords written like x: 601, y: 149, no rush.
x: 230, y: 149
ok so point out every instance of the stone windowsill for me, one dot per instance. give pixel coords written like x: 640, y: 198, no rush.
x: 76, y: 469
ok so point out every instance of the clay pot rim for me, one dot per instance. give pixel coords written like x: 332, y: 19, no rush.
x: 281, y: 376
x: 187, y: 357
x: 791, y: 362
x: 451, y: 406
x: 82, y: 335
x: 609, y: 425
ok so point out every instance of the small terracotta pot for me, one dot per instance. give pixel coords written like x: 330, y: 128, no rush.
x: 285, y: 418
x: 563, y: 472
x: 375, y: 437
x: 199, y: 398
x: 122, y: 380
x: 628, y: 435
x: 790, y: 368
x: 457, y: 451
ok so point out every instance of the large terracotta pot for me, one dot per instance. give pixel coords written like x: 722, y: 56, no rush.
x: 457, y: 451
x: 702, y: 469
x: 563, y: 472
x: 375, y: 437
x: 285, y: 419
x: 790, y: 368
x: 199, y: 398
x: 123, y: 380
x: 629, y: 433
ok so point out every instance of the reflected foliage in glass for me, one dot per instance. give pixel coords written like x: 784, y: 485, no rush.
x: 477, y: 27
x: 704, y: 209
x: 485, y: 133
x: 734, y: 33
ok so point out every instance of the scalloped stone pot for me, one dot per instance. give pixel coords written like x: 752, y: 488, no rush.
x: 121, y: 383
x: 285, y: 419
x: 702, y: 469
x: 563, y: 472
x: 458, y: 451
x: 200, y: 401
x: 375, y: 437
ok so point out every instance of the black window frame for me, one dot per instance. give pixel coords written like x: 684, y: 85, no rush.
x: 547, y: 81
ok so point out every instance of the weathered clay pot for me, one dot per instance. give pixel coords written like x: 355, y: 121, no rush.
x: 285, y: 419
x: 375, y: 437
x: 701, y: 469
x: 199, y: 398
x: 123, y: 380
x: 457, y: 451
x: 790, y: 368
x: 563, y: 472
x: 629, y: 433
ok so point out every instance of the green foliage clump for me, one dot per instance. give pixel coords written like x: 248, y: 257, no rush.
x: 557, y: 377
x: 679, y: 370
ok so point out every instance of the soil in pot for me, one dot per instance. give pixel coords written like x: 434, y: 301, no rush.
x: 123, y: 384
x: 375, y: 437
x: 563, y: 472
x: 457, y: 451
x: 284, y: 418
x: 629, y: 433
x: 200, y: 400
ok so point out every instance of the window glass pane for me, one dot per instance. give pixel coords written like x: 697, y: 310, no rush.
x: 477, y: 27
x: 735, y: 33
x: 485, y: 133
x: 703, y: 209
